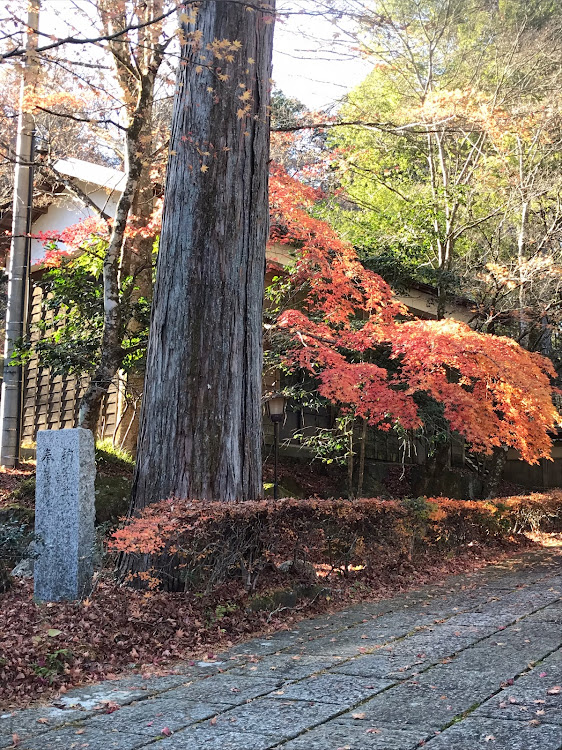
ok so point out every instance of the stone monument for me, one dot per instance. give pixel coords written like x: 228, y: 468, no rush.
x: 64, y: 514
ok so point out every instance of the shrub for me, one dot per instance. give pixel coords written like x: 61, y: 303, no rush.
x: 208, y: 543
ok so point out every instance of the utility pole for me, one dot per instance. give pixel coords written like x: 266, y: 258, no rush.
x: 18, y: 268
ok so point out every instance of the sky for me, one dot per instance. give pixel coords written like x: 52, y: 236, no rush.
x: 305, y: 65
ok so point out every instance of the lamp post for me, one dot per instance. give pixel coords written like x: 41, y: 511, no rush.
x: 276, y: 412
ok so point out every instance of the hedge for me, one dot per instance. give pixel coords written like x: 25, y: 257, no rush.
x: 210, y: 542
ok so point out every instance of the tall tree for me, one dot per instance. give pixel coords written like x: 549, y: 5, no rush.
x: 200, y: 434
x: 449, y: 80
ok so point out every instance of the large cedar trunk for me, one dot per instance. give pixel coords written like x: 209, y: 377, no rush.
x: 200, y: 432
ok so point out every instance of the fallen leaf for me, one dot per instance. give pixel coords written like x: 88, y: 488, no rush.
x: 489, y: 738
x: 373, y: 731
x: 166, y: 732
x: 358, y: 716
x: 213, y: 721
x: 53, y: 632
x: 556, y: 690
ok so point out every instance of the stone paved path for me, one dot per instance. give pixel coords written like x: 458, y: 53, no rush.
x: 474, y: 663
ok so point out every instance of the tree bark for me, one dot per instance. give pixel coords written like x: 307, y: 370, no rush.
x: 200, y: 432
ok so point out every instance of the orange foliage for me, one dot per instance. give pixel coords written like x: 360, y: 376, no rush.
x: 493, y: 391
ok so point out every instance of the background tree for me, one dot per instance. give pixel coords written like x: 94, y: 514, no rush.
x: 419, y: 169
x: 109, y: 100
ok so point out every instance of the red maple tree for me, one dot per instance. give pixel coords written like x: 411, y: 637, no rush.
x: 493, y: 392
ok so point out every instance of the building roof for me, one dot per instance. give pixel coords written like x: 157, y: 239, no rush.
x: 105, y: 177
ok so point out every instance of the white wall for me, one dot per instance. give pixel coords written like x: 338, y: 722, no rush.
x: 67, y: 210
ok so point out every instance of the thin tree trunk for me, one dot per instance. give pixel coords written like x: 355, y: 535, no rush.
x: 362, y: 449
x: 495, y: 464
x: 136, y: 73
x: 350, y: 462
x: 137, y: 263
x: 200, y: 433
x: 112, y: 337
x: 523, y: 325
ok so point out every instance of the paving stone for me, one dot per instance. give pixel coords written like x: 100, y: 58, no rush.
x: 93, y: 697
x: 446, y: 605
x: 286, y: 666
x: 341, y: 690
x: 341, y: 644
x: 430, y: 645
x: 445, y: 679
x: 423, y: 646
x: 155, y: 685
x: 382, y: 666
x: 551, y: 613
x: 271, y: 645
x: 504, y: 663
x: 284, y: 719
x: 555, y: 657
x: 450, y: 632
x: 400, y: 659
x: 532, y: 640
x: 361, y: 612
x: 194, y: 670
x: 359, y: 737
x: 400, y: 622
x: 519, y: 604
x: 429, y: 704
x: 485, y: 624
x: 491, y: 734
x: 149, y: 717
x: 214, y: 738
x: 523, y: 705
x: 227, y: 689
x: 36, y: 721
x: 528, y: 698
x: 76, y: 738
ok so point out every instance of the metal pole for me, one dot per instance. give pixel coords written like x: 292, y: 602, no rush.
x: 10, y: 404
x: 275, y: 460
